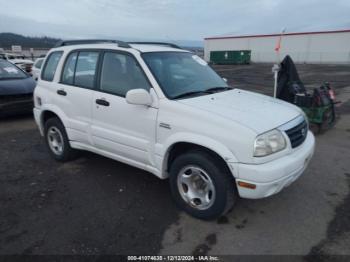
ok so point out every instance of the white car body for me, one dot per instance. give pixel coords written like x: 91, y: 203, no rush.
x: 36, y: 69
x: 226, y: 123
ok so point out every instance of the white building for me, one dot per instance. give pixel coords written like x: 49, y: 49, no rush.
x: 306, y: 47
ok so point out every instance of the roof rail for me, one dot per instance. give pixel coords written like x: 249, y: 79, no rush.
x: 92, y: 41
x: 156, y: 43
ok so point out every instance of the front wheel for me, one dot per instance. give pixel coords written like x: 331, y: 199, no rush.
x: 202, y: 185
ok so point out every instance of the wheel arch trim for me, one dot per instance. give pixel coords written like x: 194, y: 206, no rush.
x: 54, y: 110
x: 197, y: 140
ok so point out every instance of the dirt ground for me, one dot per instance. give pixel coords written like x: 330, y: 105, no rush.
x: 259, y: 77
x: 98, y: 206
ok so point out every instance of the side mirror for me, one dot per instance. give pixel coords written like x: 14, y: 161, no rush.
x: 139, y: 97
x: 225, y: 79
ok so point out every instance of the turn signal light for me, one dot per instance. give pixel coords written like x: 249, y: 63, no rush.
x: 246, y: 185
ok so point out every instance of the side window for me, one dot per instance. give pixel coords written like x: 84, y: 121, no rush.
x: 86, y: 69
x: 39, y: 63
x: 69, y: 67
x: 51, y: 65
x: 121, y: 73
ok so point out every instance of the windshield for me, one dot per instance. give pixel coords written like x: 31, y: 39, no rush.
x: 180, y: 73
x: 9, y: 71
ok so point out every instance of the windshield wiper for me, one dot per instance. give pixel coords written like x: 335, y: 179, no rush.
x: 207, y: 91
x: 191, y: 94
x: 218, y: 89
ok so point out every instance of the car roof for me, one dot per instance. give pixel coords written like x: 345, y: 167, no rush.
x: 143, y: 48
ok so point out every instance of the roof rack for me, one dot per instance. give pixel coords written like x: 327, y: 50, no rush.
x: 156, y: 43
x: 92, y: 41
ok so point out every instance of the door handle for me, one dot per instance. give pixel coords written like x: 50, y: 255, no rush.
x: 61, y: 92
x: 102, y: 102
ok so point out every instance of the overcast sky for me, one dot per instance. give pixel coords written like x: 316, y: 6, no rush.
x: 169, y: 19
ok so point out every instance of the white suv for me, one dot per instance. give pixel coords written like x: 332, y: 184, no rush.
x: 160, y: 108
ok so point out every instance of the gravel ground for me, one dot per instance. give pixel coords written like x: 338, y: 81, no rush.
x: 95, y: 205
x: 259, y: 77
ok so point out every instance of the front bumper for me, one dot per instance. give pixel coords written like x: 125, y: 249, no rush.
x: 270, y: 178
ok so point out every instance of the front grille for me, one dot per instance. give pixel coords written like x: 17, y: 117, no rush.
x: 15, y: 98
x: 297, y: 134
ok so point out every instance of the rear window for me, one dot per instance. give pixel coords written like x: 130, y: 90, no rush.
x: 51, y: 65
x: 10, y: 71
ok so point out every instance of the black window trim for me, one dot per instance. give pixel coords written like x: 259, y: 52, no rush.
x: 45, y: 65
x: 100, y: 70
x: 78, y: 51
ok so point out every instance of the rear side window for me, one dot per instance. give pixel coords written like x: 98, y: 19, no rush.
x: 69, y: 68
x: 51, y: 65
x: 86, y: 69
x: 80, y: 69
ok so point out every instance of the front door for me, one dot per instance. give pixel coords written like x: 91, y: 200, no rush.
x: 125, y: 130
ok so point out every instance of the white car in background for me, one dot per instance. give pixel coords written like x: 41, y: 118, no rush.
x: 163, y: 109
x: 19, y: 60
x: 36, y: 69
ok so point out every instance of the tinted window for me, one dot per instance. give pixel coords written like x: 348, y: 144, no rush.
x: 68, y: 71
x: 9, y: 71
x: 86, y: 69
x: 121, y: 73
x: 51, y: 65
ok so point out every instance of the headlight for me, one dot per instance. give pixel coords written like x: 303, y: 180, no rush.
x: 269, y: 143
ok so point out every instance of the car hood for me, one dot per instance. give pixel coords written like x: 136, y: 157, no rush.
x: 17, y: 86
x: 258, y: 112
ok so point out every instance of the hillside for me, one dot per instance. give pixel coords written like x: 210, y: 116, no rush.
x: 9, y: 39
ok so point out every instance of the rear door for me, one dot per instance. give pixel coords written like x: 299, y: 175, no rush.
x: 74, y: 93
x: 119, y: 128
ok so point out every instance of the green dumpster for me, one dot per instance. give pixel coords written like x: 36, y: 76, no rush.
x: 230, y: 57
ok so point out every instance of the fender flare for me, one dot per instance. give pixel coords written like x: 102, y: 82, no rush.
x: 204, y: 141
x: 54, y: 109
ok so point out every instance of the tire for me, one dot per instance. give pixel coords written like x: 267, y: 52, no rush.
x: 61, y: 150
x: 221, y: 195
